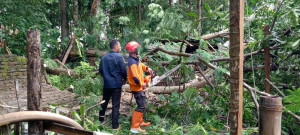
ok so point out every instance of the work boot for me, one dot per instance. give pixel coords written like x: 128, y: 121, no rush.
x: 137, y: 118
x: 145, y: 124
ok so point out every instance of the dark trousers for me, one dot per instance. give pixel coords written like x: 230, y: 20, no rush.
x: 115, y: 93
x: 140, y: 99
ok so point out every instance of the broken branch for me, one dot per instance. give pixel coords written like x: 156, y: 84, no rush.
x: 281, y: 94
x: 62, y: 65
x: 68, y: 51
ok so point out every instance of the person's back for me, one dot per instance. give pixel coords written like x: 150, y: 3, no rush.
x: 113, y: 69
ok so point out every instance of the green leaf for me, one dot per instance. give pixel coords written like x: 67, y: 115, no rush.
x: 219, y: 72
x: 296, y: 44
x: 192, y: 14
x: 205, y: 55
x: 189, y: 93
x: 82, y: 110
x: 207, y: 7
x: 76, y: 116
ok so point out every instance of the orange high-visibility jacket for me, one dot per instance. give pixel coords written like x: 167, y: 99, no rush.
x: 135, y: 73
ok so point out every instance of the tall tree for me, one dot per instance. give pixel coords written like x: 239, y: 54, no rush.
x: 93, y: 13
x: 180, y: 2
x: 94, y: 8
x: 236, y: 52
x: 63, y: 18
x: 34, y: 86
x: 267, y: 59
x: 170, y: 3
x: 75, y: 15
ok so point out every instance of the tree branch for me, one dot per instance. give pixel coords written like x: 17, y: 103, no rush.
x: 281, y: 94
x: 275, y: 18
x: 202, y: 74
x: 62, y: 65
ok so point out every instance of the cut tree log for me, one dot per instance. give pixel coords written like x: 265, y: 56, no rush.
x: 168, y: 90
x: 58, y: 71
x: 34, y: 82
x: 94, y: 52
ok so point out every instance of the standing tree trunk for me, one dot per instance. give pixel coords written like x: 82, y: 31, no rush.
x: 63, y: 18
x: 199, y: 17
x: 34, y: 96
x: 93, y: 13
x: 94, y: 8
x: 75, y: 15
x: 267, y: 59
x: 170, y: 3
x: 236, y: 51
x: 180, y: 2
x: 139, y: 14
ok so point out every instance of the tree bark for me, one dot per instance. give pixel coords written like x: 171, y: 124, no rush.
x: 34, y: 80
x: 267, y: 59
x: 63, y: 18
x: 75, y: 15
x: 170, y: 3
x: 236, y: 52
x: 94, y: 8
x: 93, y: 13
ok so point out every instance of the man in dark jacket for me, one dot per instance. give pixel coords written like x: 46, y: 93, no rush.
x: 113, y: 69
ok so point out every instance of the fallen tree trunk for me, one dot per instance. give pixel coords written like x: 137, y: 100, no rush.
x: 168, y: 90
x: 94, y: 52
x: 59, y: 71
x: 224, y: 32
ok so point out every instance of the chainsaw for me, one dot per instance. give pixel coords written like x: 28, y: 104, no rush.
x: 151, y: 79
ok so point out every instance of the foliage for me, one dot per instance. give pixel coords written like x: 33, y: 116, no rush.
x: 292, y: 101
x: 189, y: 112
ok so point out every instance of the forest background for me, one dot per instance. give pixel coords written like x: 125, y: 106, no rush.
x: 91, y: 24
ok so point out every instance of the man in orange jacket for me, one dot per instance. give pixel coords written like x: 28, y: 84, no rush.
x: 135, y: 77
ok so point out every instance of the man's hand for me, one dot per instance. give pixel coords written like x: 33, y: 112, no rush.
x: 150, y: 71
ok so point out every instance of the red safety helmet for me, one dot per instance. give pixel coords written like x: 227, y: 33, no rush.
x: 132, y: 46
